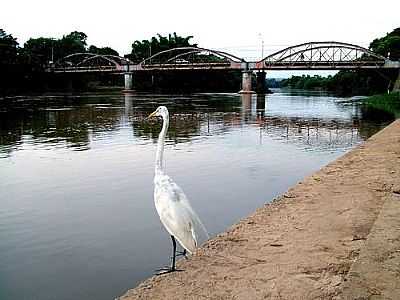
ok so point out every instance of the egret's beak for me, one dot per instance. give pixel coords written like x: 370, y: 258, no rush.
x: 151, y: 115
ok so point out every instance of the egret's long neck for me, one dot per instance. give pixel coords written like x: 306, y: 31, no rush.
x: 160, y: 145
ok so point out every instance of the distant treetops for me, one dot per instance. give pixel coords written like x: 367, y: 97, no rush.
x: 8, y: 48
x: 146, y: 48
x: 388, y: 46
x: 40, y: 51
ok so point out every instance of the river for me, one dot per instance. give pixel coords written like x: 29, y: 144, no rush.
x: 77, y: 218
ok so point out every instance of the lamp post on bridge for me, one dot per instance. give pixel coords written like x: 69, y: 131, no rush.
x: 261, y: 85
x: 262, y: 45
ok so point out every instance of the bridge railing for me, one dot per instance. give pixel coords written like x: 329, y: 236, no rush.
x: 190, y: 66
x: 89, y: 69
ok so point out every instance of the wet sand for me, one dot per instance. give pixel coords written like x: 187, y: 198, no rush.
x: 335, y: 235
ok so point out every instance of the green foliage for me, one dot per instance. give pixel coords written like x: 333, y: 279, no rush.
x: 102, y: 51
x: 8, y: 48
x: 308, y: 82
x: 75, y: 42
x: 388, y: 46
x: 9, y: 62
x: 23, y: 68
x: 39, y: 51
x: 369, y: 82
x: 145, y: 48
x: 389, y: 103
x: 362, y: 82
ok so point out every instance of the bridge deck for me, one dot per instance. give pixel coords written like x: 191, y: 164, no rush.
x: 251, y: 66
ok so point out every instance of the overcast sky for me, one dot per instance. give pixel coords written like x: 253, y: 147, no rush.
x: 234, y: 26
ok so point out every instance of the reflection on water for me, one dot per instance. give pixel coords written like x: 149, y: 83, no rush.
x: 77, y: 217
x: 48, y: 123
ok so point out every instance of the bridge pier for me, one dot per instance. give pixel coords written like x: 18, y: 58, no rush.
x: 261, y: 85
x: 261, y: 104
x: 246, y: 83
x: 128, y: 78
x: 396, y: 86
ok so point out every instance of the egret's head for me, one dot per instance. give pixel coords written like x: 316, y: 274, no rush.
x: 161, y: 111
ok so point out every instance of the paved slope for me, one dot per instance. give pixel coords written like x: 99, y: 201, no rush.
x: 303, y: 244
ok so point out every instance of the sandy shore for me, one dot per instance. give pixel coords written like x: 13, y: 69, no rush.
x: 335, y: 235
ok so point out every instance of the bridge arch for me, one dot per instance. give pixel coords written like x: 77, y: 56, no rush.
x: 189, y: 55
x: 322, y: 53
x: 91, y: 60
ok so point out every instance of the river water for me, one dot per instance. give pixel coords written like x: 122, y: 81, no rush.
x: 77, y: 218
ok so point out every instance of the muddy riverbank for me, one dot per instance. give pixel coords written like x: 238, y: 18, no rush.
x: 335, y: 235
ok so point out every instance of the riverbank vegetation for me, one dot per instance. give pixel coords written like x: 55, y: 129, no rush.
x: 22, y: 68
x: 356, y: 82
x: 389, y: 103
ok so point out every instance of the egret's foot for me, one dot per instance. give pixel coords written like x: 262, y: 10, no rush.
x: 182, y: 253
x: 166, y: 270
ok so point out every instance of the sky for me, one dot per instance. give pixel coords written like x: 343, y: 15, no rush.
x: 238, y: 27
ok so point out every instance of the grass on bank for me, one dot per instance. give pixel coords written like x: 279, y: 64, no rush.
x: 387, y: 102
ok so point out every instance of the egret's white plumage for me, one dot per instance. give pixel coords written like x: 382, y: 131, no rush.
x: 175, y: 211
x: 173, y: 207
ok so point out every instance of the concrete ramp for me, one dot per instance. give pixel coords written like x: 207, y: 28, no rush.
x: 335, y: 235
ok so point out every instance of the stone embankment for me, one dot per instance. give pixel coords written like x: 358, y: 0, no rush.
x: 335, y: 235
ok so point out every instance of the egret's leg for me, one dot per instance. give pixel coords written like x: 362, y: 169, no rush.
x: 173, y: 253
x: 172, y: 268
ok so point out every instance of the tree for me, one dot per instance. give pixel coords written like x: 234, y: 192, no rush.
x: 145, y: 48
x: 8, y: 48
x: 75, y: 42
x: 102, y: 51
x: 10, y: 75
x: 388, y: 46
x: 39, y: 51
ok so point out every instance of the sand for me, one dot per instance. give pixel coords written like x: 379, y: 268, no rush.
x: 335, y: 235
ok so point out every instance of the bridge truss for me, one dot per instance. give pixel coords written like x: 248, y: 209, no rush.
x: 306, y: 56
x: 91, y: 62
x: 322, y: 55
x: 190, y: 58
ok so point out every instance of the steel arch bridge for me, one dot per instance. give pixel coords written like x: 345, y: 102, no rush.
x: 176, y: 58
x: 313, y: 55
x: 306, y: 56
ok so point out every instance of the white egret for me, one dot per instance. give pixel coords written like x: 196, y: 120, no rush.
x: 172, y: 205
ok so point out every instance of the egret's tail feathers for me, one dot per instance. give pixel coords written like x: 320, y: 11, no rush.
x: 199, y: 229
x: 193, y: 235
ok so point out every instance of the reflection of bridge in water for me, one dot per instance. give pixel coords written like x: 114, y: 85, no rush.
x: 72, y: 123
x: 306, y: 56
x: 307, y: 133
